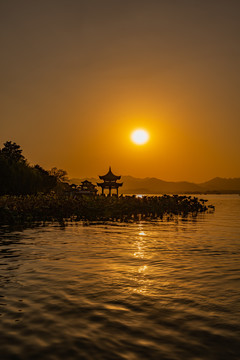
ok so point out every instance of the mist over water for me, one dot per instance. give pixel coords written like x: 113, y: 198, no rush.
x: 147, y: 290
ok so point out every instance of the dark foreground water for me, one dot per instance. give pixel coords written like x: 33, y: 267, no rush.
x: 159, y: 290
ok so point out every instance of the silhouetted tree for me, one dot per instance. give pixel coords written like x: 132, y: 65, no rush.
x: 12, y: 152
x: 60, y: 174
x: 17, y: 177
x: 47, y: 181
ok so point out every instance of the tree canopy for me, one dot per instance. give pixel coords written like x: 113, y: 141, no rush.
x: 12, y: 152
x: 17, y: 177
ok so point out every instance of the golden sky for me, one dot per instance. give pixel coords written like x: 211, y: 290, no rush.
x: 78, y: 76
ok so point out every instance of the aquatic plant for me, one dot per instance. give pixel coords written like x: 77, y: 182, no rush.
x: 55, y: 207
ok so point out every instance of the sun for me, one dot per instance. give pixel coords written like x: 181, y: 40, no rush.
x: 139, y: 136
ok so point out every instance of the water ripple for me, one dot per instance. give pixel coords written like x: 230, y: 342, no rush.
x: 158, y: 290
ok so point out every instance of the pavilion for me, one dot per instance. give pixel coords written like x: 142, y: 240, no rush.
x: 87, y: 187
x: 109, y: 182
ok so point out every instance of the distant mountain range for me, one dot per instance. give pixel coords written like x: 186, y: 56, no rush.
x: 132, y: 185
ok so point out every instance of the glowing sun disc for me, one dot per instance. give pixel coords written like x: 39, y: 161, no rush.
x: 140, y: 136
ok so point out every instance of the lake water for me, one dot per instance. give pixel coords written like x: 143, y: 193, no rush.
x: 158, y: 290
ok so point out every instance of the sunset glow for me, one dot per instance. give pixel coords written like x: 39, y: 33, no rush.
x: 140, y: 136
x: 79, y: 80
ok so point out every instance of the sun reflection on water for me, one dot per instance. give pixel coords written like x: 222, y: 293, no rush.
x: 140, y: 274
x: 140, y: 245
x: 141, y: 269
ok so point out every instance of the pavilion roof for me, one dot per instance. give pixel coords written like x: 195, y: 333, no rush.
x: 110, y: 184
x: 110, y: 176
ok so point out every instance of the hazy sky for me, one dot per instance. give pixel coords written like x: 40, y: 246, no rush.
x: 78, y: 76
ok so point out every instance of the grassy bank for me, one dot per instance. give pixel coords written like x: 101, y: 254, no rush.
x: 52, y: 207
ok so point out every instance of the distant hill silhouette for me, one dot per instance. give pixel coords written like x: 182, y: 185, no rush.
x: 155, y: 186
x: 132, y: 185
x: 222, y: 184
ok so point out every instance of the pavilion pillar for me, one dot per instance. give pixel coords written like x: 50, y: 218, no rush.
x: 102, y: 190
x: 110, y: 190
x: 117, y: 191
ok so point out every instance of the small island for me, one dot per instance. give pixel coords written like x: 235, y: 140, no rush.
x: 30, y: 194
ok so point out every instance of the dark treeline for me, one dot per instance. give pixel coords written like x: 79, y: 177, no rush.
x: 17, y: 177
